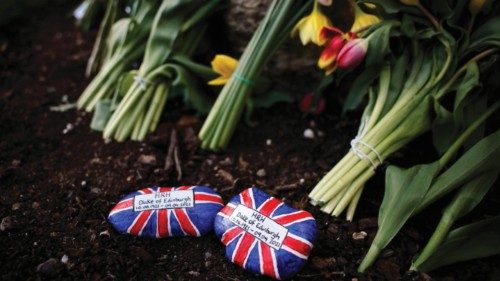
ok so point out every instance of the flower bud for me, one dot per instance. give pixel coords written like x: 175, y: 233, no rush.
x: 410, y: 2
x: 475, y: 6
x: 353, y: 53
x: 307, y: 101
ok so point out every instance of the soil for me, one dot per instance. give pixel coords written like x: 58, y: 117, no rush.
x: 59, y: 179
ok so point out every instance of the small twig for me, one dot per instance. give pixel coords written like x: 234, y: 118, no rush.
x: 173, y: 156
x: 226, y: 176
x: 287, y: 187
x: 178, y: 165
x: 169, y: 161
x: 79, y: 202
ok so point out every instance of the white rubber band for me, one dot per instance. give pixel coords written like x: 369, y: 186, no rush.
x: 143, y: 83
x: 354, y: 146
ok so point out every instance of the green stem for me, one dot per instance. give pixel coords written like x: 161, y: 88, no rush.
x: 353, y: 205
x: 153, y: 107
x: 137, y: 126
x: 137, y: 111
x: 429, y: 16
x: 353, y: 189
x: 437, y: 238
x: 385, y: 79
x: 330, y: 205
x: 126, y: 103
x: 159, y: 111
x: 450, y: 153
x: 462, y: 70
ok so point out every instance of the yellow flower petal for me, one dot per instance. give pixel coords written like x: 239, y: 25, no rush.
x: 362, y: 19
x: 223, y: 65
x: 309, y: 27
x: 218, y: 81
x: 319, y: 20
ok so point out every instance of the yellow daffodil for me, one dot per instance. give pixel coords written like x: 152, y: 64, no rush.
x: 310, y: 26
x: 475, y: 6
x: 362, y: 20
x: 224, y: 65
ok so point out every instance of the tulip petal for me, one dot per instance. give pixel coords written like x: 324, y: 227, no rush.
x: 319, y: 21
x: 352, y: 53
x: 328, y: 32
x: 331, y: 52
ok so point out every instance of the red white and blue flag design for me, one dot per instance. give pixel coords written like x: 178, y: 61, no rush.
x: 245, y: 248
x: 154, y: 222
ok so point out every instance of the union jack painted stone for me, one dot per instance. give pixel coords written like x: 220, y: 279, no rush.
x: 158, y: 212
x: 264, y: 235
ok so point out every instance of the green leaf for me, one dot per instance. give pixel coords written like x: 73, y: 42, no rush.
x: 360, y: 87
x: 487, y: 35
x: 444, y: 129
x: 378, y: 45
x: 476, y: 240
x: 408, y: 26
x: 482, y: 156
x: 124, y: 83
x: 398, y: 75
x: 404, y: 191
x: 101, y: 115
x: 447, y: 125
x: 99, y: 50
x: 194, y: 96
x: 469, y: 82
x: 204, y: 72
x: 164, y: 32
x: 471, y: 194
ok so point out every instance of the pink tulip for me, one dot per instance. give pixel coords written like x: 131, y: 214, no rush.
x: 353, y: 53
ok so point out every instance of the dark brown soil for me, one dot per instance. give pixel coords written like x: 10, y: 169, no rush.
x: 58, y: 185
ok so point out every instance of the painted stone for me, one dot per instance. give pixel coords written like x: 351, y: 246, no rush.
x: 264, y: 235
x: 158, y: 212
